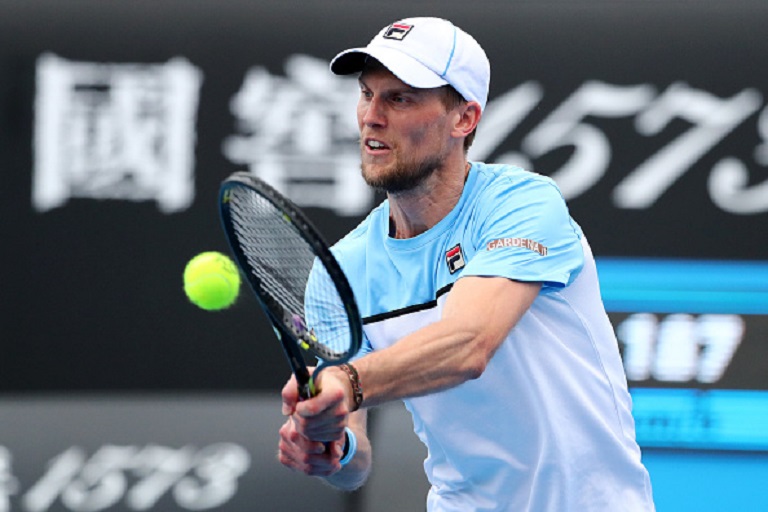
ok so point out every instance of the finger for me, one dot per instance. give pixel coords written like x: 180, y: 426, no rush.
x: 316, y: 464
x: 316, y: 448
x: 329, y: 401
x: 290, y: 396
x: 335, y: 448
x: 327, y: 434
x: 294, y: 450
x: 317, y: 429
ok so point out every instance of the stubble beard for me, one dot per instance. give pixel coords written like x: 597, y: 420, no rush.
x: 403, y: 176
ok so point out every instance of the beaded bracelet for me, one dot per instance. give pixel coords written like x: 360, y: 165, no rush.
x: 354, y: 380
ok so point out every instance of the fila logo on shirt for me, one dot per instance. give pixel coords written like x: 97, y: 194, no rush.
x: 397, y: 31
x: 454, y: 258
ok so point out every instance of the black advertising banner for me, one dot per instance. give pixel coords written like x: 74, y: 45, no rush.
x: 118, y: 120
x: 139, y: 454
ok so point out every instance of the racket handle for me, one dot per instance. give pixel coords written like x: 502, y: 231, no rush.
x: 307, y: 390
x: 304, y: 383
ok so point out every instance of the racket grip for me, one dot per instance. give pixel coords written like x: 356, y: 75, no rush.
x: 304, y: 383
x: 307, y: 390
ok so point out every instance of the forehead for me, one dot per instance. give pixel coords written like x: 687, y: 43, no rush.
x: 381, y: 78
x: 380, y: 74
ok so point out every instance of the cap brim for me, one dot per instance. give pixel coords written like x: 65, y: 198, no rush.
x: 403, y: 66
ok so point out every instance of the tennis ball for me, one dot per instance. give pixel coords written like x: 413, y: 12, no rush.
x: 211, y: 281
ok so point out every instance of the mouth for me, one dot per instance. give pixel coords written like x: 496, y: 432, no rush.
x: 374, y: 146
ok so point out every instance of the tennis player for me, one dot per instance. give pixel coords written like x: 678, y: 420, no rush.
x: 481, y: 306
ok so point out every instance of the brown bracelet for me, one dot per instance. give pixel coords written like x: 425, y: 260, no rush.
x: 354, y: 381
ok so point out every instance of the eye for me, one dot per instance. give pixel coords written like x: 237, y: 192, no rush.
x: 399, y: 98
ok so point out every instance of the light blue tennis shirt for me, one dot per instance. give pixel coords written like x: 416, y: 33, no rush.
x: 548, y: 426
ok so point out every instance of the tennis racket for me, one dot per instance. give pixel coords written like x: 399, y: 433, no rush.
x: 293, y: 273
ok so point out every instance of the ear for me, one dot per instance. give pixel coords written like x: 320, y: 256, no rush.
x: 468, y: 115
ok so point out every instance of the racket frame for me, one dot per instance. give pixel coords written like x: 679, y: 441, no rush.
x: 291, y: 341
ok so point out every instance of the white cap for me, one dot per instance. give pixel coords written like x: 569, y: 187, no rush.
x: 425, y: 53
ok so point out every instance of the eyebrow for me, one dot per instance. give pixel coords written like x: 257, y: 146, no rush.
x: 404, y: 88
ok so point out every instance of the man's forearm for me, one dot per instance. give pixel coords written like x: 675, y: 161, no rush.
x: 354, y: 474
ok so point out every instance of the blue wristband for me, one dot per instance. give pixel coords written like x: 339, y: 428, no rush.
x: 350, y: 446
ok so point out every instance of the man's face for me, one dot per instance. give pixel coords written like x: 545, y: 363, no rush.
x: 404, y: 132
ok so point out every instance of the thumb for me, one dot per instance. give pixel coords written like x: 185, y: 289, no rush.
x: 290, y: 396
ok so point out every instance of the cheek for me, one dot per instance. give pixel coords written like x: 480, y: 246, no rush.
x: 428, y: 134
x: 424, y: 132
x: 360, y: 115
x: 417, y: 137
x: 363, y: 111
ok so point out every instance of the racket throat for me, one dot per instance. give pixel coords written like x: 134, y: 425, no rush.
x: 298, y: 326
x: 306, y: 339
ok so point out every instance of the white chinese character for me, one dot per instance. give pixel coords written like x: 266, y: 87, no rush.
x: 115, y: 131
x: 300, y: 134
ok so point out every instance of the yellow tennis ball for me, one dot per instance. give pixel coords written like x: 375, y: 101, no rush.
x: 211, y: 281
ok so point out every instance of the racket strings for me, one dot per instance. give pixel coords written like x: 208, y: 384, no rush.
x: 287, y: 270
x: 280, y: 264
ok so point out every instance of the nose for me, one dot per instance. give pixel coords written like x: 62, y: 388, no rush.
x: 370, y: 112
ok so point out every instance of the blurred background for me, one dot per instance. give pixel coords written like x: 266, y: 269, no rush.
x: 119, y: 119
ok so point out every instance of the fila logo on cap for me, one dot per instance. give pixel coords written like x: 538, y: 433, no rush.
x: 397, y: 31
x: 454, y: 258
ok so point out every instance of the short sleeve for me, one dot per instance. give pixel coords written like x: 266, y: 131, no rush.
x: 325, y: 313
x: 525, y: 233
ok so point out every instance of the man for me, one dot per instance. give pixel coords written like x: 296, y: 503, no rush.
x: 481, y: 305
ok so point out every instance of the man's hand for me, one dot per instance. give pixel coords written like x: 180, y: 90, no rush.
x: 309, y: 457
x: 312, y: 437
x: 324, y: 416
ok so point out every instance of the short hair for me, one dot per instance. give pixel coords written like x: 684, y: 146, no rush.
x: 452, y: 99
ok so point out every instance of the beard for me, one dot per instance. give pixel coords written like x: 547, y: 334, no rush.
x: 403, y: 176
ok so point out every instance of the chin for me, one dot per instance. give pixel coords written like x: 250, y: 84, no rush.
x: 374, y: 173
x: 378, y: 180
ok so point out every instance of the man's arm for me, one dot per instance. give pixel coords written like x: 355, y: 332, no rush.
x: 478, y: 315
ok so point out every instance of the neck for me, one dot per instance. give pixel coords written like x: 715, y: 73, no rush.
x: 413, y: 212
